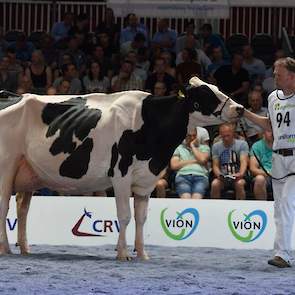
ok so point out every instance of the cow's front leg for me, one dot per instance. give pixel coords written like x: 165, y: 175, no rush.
x: 140, y: 214
x: 124, y: 216
x: 23, y: 203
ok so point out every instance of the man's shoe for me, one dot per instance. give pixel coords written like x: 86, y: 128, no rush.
x: 279, y: 262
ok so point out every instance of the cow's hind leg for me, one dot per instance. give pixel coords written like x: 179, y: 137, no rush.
x: 140, y: 214
x: 23, y: 203
x: 5, y: 194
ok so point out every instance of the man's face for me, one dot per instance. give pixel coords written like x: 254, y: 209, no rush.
x: 227, y: 135
x: 255, y: 101
x: 283, y: 78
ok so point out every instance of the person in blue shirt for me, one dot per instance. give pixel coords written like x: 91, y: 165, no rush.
x: 60, y: 30
x: 133, y: 27
x: 165, y: 38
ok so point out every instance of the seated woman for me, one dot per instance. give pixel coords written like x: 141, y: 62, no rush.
x: 95, y: 81
x: 190, y: 161
x: 39, y: 73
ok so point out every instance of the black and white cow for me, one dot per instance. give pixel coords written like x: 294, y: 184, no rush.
x: 82, y: 144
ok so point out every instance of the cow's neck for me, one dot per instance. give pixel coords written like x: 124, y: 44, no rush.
x: 165, y: 126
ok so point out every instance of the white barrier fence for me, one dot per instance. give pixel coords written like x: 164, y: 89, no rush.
x: 171, y: 222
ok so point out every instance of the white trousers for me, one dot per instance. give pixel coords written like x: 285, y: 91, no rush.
x: 284, y: 204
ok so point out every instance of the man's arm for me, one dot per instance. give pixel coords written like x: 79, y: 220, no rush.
x: 263, y: 122
x: 254, y: 167
x: 216, y: 168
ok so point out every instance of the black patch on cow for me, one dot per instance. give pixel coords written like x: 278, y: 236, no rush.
x: 164, y: 128
x: 114, y: 159
x: 73, y: 166
x: 202, y: 99
x: 9, y: 101
x: 71, y: 118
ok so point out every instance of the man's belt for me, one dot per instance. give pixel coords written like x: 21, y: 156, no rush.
x: 285, y: 152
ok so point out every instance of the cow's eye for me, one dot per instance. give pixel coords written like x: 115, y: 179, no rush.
x: 196, y: 106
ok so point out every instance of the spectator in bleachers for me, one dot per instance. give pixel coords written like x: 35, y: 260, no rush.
x: 160, y: 89
x: 23, y: 48
x: 24, y: 85
x: 211, y: 40
x: 95, y: 81
x: 110, y: 49
x: 60, y: 30
x: 14, y: 66
x: 170, y: 63
x: 109, y: 26
x: 253, y: 131
x: 126, y: 79
x: 190, y: 161
x: 69, y: 73
x: 165, y: 37
x: 64, y: 87
x: 81, y: 25
x: 189, y: 30
x: 134, y: 45
x: 189, y: 67
x: 233, y: 79
x: 133, y: 27
x: 77, y: 54
x: 255, y: 66
x: 51, y: 91
x: 50, y: 53
x: 143, y: 59
x: 229, y: 163
x: 39, y: 73
x: 3, y: 44
x: 138, y: 71
x: 217, y: 59
x: 203, y: 59
x: 263, y: 151
x: 8, y: 81
x: 159, y: 75
x: 105, y: 62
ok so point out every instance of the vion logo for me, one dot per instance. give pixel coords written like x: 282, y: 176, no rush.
x: 94, y: 228
x: 182, y: 226
x: 249, y: 227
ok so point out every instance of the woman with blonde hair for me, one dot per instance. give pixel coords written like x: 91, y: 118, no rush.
x: 39, y: 73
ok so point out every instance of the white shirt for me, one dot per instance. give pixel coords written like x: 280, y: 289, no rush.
x: 282, y: 115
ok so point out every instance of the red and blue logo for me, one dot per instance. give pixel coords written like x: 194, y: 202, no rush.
x: 94, y: 227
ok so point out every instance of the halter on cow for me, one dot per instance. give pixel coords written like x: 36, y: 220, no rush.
x: 88, y: 143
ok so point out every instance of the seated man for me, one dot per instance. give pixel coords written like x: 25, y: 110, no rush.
x: 190, y: 163
x: 230, y: 160
x: 263, y: 151
x: 253, y: 131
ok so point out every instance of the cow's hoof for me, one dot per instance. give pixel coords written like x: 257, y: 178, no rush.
x: 5, y: 250
x: 143, y: 256
x: 24, y: 250
x: 124, y: 258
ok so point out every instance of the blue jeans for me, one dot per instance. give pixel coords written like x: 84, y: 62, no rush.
x: 191, y: 184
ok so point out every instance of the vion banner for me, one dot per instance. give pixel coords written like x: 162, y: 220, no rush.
x: 171, y: 222
x: 168, y: 8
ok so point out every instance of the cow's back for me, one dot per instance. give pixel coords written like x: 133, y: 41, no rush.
x: 67, y: 140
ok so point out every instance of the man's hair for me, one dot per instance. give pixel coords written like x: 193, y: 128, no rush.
x: 287, y: 62
x: 227, y: 125
x: 139, y: 37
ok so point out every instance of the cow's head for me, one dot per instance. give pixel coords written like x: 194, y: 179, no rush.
x: 208, y: 105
